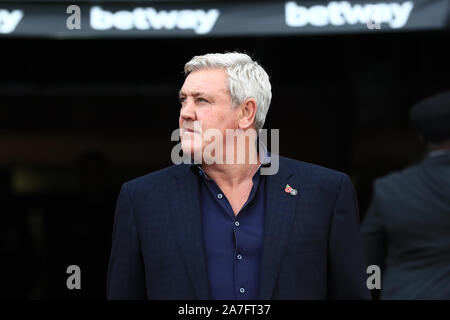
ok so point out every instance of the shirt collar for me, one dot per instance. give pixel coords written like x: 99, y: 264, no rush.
x: 264, y: 154
x: 436, y: 153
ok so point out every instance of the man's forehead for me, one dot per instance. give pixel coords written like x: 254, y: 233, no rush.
x: 205, y: 81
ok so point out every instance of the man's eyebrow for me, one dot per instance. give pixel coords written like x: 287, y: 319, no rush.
x: 194, y: 93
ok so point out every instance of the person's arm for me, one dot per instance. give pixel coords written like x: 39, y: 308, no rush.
x: 346, y: 266
x: 126, y: 279
x: 373, y: 233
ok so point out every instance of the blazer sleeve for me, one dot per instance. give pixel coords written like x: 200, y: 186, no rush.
x: 125, y: 279
x: 346, y: 266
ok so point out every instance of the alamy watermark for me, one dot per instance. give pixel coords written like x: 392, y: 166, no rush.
x: 211, y: 147
x: 74, y: 20
x: 74, y: 280
x: 374, y: 280
x: 372, y: 24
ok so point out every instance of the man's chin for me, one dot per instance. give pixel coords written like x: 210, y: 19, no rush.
x: 192, y: 152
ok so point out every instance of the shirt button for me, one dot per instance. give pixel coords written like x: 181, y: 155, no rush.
x: 219, y: 196
x: 241, y: 290
x: 239, y: 256
x: 236, y: 223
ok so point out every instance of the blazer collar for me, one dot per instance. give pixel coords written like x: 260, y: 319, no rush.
x: 187, y: 221
x: 278, y: 220
x: 437, y: 157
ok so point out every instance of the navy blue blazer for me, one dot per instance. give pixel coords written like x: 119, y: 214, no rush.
x: 312, y: 247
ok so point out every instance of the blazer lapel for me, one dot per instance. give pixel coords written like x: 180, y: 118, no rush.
x: 278, y: 220
x: 187, y: 221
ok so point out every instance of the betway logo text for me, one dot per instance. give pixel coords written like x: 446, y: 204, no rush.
x: 9, y: 20
x: 200, y: 21
x: 338, y: 13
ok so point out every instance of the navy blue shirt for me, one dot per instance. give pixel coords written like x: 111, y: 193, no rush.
x: 233, y: 244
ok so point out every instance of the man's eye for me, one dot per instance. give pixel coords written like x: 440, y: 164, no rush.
x: 201, y: 100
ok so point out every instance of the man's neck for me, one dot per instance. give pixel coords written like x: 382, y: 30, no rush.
x: 232, y: 175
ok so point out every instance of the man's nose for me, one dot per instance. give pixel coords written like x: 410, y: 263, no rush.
x: 188, y: 111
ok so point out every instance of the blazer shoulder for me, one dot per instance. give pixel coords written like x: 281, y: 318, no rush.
x: 153, y: 179
x: 397, y: 178
x: 303, y: 168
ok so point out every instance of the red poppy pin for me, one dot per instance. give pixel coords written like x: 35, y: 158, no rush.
x: 290, y: 190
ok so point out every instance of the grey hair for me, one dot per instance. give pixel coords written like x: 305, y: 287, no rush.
x: 246, y: 79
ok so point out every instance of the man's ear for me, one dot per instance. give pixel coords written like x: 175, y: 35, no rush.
x: 247, y: 113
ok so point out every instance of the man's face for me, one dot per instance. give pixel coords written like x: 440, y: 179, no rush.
x: 205, y: 97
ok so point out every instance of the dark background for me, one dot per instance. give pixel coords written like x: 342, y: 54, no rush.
x: 80, y: 117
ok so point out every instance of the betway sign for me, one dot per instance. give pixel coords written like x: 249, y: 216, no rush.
x: 338, y: 13
x: 200, y: 21
x: 9, y: 20
x: 211, y: 18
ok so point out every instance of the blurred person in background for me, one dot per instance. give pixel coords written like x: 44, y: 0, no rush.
x: 406, y: 230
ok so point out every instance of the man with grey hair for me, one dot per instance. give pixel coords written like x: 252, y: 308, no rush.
x: 219, y: 227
